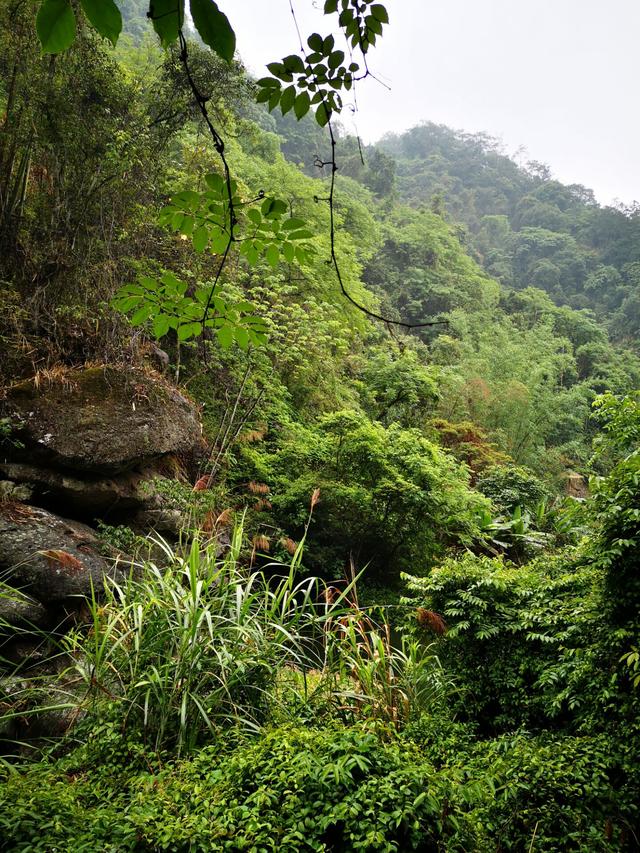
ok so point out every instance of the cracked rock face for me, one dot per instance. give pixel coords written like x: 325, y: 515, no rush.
x: 52, y: 559
x: 101, y: 421
x: 85, y: 495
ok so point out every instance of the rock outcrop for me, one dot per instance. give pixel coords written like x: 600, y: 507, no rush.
x: 100, y: 421
x: 86, y: 444
x: 53, y: 559
x: 76, y: 446
x: 85, y: 495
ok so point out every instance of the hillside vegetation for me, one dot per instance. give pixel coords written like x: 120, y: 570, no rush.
x: 389, y: 601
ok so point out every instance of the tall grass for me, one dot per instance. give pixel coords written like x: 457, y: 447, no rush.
x: 376, y: 679
x: 192, y: 644
x: 196, y: 645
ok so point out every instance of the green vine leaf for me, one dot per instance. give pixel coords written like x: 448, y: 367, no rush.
x: 56, y: 25
x: 167, y: 17
x: 105, y: 17
x: 214, y: 28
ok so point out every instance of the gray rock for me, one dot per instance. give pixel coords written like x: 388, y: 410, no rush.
x: 101, y: 420
x: 51, y: 558
x: 18, y: 609
x: 11, y: 490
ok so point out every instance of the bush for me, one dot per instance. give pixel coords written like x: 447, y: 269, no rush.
x: 293, y: 789
x: 509, y: 487
x: 521, y: 643
x: 615, y: 506
x: 559, y: 793
x: 331, y: 789
x: 389, y: 497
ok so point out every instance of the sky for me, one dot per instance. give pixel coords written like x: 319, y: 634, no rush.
x: 558, y: 78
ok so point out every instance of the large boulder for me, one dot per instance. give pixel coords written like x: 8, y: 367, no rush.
x: 99, y: 420
x: 52, y: 559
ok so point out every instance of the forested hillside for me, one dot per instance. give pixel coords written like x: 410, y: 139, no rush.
x: 526, y: 228
x: 318, y: 488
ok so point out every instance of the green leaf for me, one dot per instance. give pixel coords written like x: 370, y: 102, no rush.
x: 169, y: 279
x: 293, y: 64
x: 252, y: 256
x: 219, y: 243
x: 177, y: 220
x: 272, y: 255
x: 301, y: 105
x: 187, y: 226
x: 330, y: 6
x: 189, y: 330
x: 56, y: 25
x: 287, y: 99
x: 315, y: 42
x: 254, y: 215
x: 200, y: 238
x: 380, y: 13
x: 288, y: 251
x: 225, y: 336
x: 167, y: 17
x: 273, y: 207
x: 292, y: 224
x: 242, y: 337
x: 160, y: 325
x: 300, y: 235
x: 336, y: 59
x: 164, y: 217
x: 274, y: 99
x: 187, y: 199
x: 278, y: 70
x: 268, y: 83
x: 215, y: 182
x: 322, y: 115
x: 214, y: 28
x: 142, y: 315
x: 373, y: 26
x: 105, y: 16
x: 126, y: 303
x: 327, y: 45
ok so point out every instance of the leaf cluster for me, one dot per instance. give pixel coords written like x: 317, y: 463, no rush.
x: 317, y: 76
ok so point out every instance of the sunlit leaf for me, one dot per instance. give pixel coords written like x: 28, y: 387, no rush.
x: 105, y: 17
x: 56, y: 25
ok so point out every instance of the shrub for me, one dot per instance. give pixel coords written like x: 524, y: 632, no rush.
x: 293, y: 789
x: 510, y: 486
x: 521, y: 641
x: 389, y: 496
x: 331, y: 788
x: 616, y: 504
x: 559, y: 793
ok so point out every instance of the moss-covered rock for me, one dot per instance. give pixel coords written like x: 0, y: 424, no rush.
x: 103, y: 420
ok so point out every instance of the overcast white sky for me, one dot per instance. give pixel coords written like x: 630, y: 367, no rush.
x: 559, y: 77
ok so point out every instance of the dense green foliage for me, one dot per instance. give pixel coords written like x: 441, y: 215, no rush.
x: 384, y: 626
x: 526, y: 228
